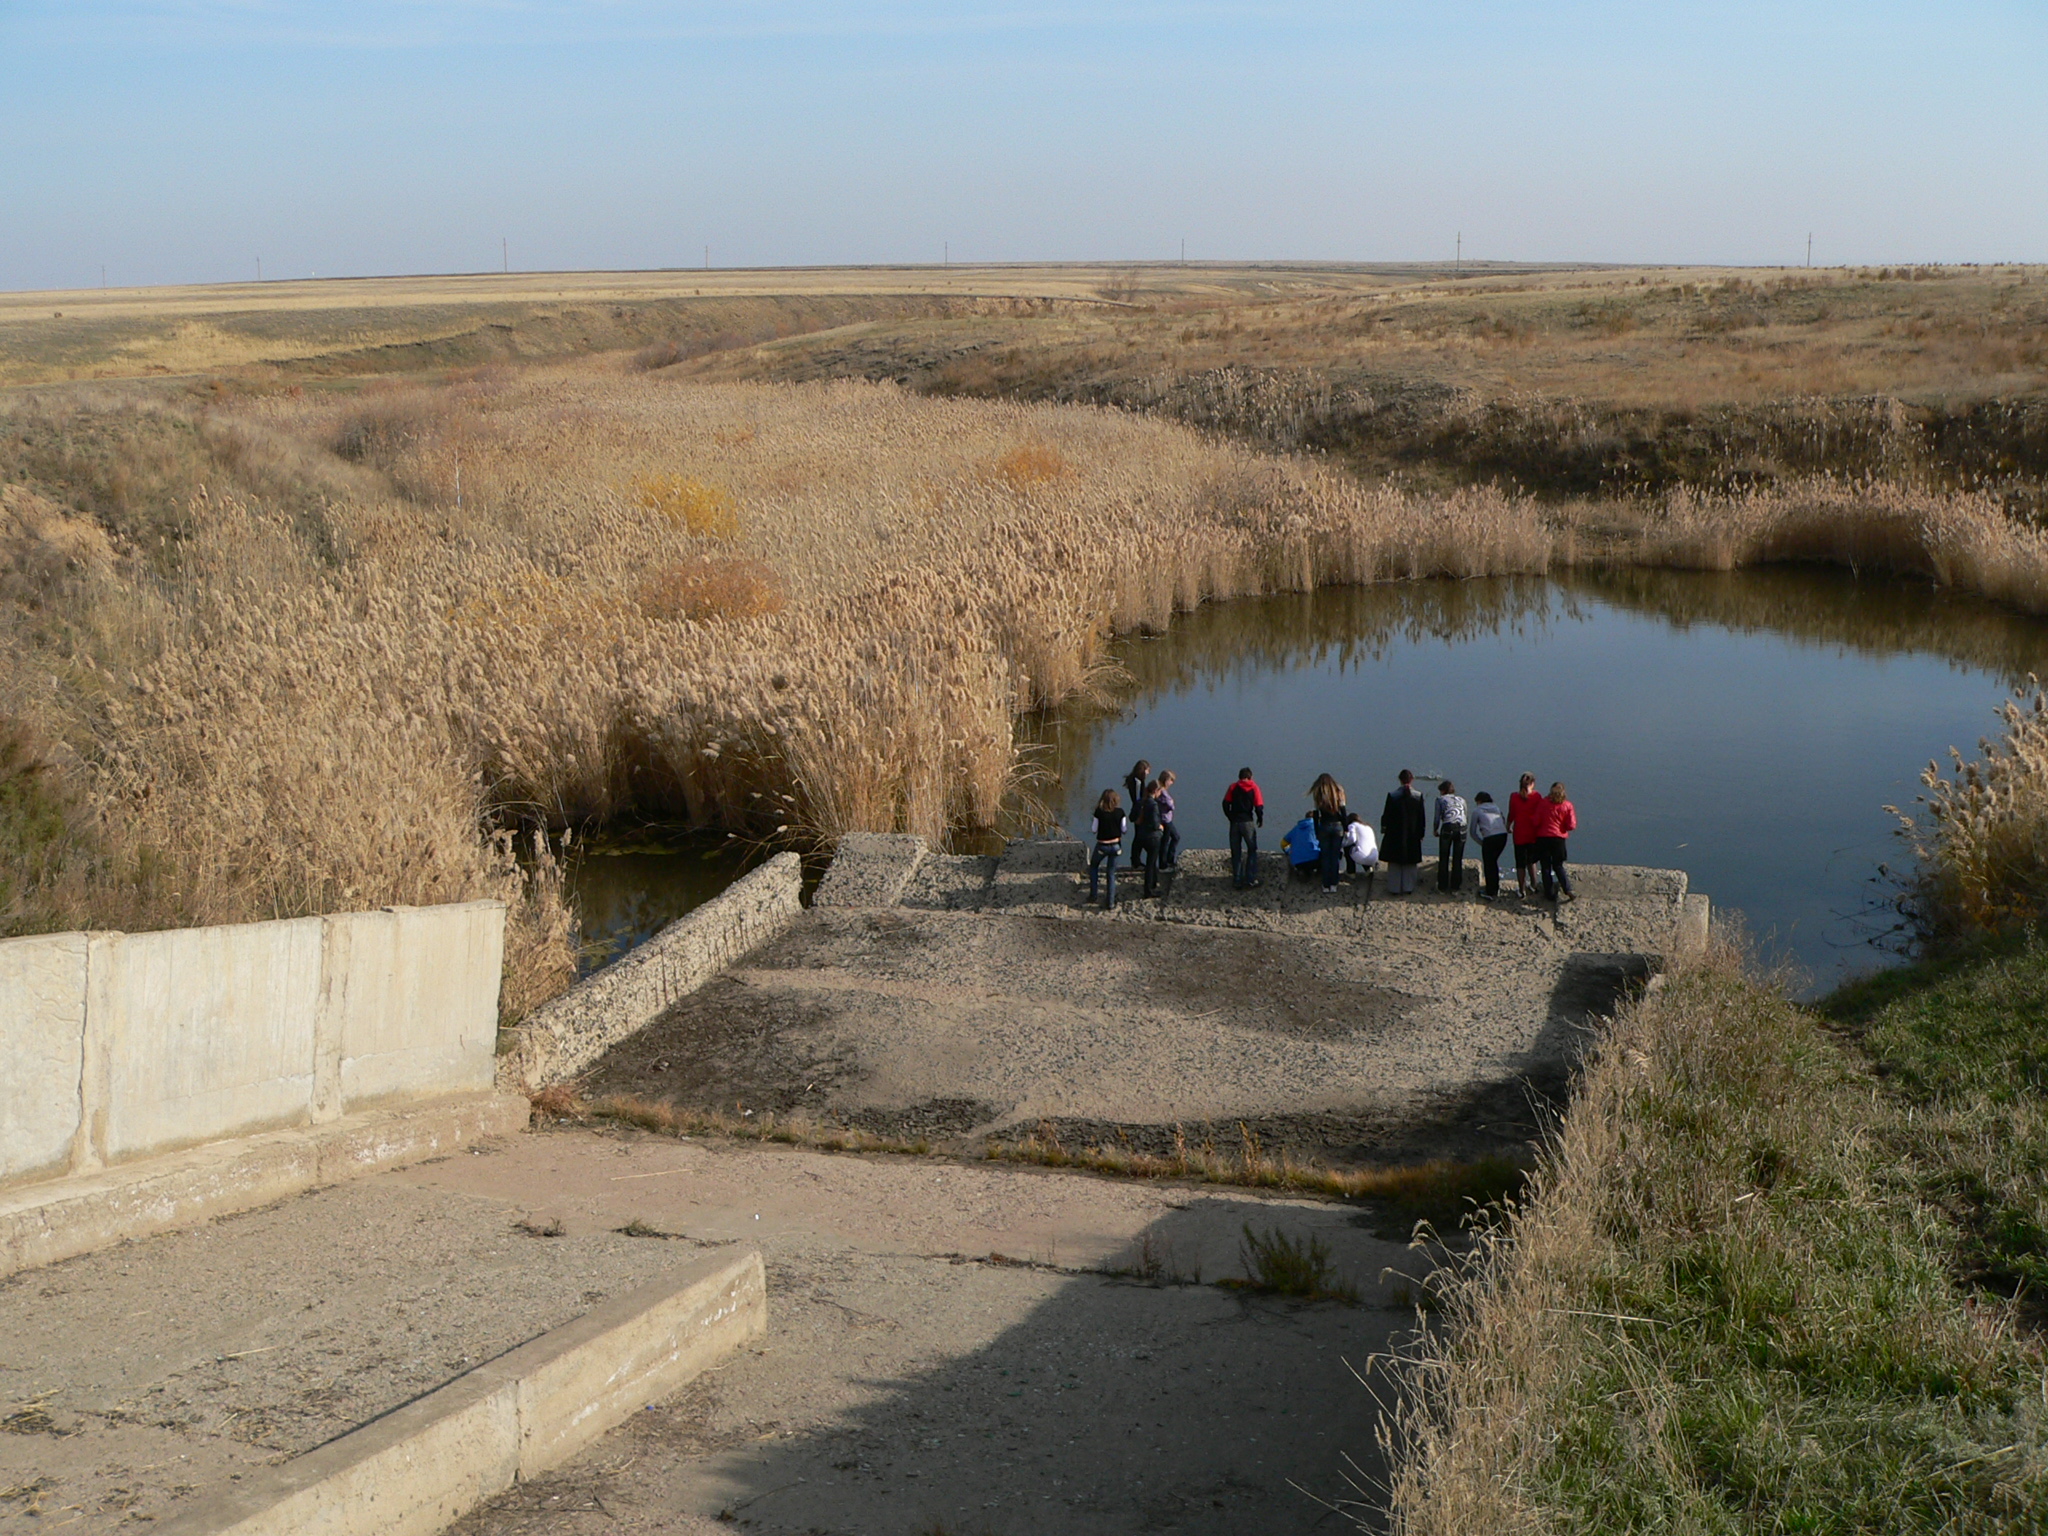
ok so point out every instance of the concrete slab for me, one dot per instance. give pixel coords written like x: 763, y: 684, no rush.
x: 870, y: 869
x: 946, y: 1344
x: 413, y: 1471
x: 60, y: 1218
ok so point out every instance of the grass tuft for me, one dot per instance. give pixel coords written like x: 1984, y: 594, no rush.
x: 1277, y: 1265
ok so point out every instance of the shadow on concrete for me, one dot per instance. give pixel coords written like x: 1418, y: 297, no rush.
x: 1109, y: 1406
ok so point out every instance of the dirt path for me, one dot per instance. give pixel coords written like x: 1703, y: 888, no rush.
x: 944, y: 1348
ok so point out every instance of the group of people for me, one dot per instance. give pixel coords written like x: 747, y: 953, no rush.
x: 1332, y: 841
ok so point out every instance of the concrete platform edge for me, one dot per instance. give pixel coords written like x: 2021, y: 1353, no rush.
x: 62, y: 1218
x: 421, y: 1467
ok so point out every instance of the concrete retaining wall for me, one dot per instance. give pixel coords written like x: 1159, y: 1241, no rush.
x: 561, y: 1038
x: 420, y: 1468
x: 120, y: 1046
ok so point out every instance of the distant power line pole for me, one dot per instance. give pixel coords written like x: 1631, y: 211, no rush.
x: 1809, y: 249
x: 505, y: 251
x: 1183, y: 250
x: 103, y: 274
x: 1458, y: 261
x: 946, y: 248
x: 707, y: 258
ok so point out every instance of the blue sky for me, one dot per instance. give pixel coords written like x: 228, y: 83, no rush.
x: 179, y: 140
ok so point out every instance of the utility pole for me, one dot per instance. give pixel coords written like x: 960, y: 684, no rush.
x: 946, y: 260
x: 1183, y: 250
x: 707, y: 258
x: 505, y: 251
x: 103, y: 275
x: 1809, y: 249
x: 1458, y: 262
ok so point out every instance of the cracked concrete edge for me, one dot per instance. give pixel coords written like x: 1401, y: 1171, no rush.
x: 560, y: 1038
x: 62, y: 1218
x: 423, y: 1466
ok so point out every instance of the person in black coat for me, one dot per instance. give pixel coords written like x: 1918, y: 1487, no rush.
x: 1402, y: 825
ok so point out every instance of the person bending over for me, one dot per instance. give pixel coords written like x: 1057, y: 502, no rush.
x: 1300, y: 845
x: 1491, y: 830
x: 1361, y: 848
x: 1451, y: 821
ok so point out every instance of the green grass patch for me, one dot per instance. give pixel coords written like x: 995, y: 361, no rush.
x: 1962, y: 1040
x: 1729, y: 1304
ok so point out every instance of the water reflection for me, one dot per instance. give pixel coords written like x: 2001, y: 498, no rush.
x: 1747, y: 726
x: 628, y: 888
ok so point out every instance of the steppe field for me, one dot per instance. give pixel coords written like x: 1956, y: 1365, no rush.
x: 322, y: 595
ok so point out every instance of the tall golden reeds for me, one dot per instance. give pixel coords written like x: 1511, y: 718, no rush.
x: 357, y: 639
x: 1982, y: 845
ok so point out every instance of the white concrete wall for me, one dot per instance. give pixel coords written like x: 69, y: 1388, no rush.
x: 114, y: 1046
x: 42, y: 1051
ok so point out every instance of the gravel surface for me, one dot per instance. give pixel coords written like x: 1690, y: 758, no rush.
x: 983, y: 1003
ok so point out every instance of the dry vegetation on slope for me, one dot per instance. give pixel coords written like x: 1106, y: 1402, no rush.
x: 273, y: 652
x: 293, y: 655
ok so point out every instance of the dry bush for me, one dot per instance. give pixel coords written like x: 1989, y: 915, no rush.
x: 1030, y: 464
x: 704, y: 589
x: 690, y: 504
x: 1982, y: 848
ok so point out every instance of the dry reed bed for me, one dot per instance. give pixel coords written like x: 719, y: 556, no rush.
x: 1981, y: 843
x: 566, y: 594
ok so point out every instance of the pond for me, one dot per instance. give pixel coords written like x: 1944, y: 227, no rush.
x: 1749, y: 727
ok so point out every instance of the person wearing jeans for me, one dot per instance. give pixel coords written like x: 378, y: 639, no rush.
x: 1491, y: 830
x: 1245, y: 809
x: 1451, y: 820
x: 1109, y: 845
x: 1559, y: 821
x: 1145, y: 836
x: 1327, y: 797
x: 1169, y: 832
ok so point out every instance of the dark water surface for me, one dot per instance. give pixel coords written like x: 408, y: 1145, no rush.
x: 628, y: 888
x: 1748, y: 727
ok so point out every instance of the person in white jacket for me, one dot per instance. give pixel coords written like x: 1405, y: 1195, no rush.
x: 1361, y: 848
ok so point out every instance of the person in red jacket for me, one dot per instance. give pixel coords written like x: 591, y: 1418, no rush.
x: 1524, y: 811
x: 1558, y: 822
x: 1245, y: 809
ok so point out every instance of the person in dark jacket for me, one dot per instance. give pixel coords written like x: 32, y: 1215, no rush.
x: 1327, y: 797
x: 1108, y: 845
x: 1134, y: 791
x: 1245, y: 809
x: 1402, y: 825
x: 1145, y: 836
